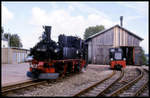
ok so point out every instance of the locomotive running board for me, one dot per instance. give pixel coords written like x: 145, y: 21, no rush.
x: 48, y: 76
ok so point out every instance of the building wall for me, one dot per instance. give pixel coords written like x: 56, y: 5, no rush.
x: 123, y: 38
x: 138, y: 60
x: 4, y: 44
x: 5, y: 53
x: 12, y: 56
x: 98, y: 47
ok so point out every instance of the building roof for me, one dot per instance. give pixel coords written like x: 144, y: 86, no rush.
x: 103, y: 31
x: 20, y: 48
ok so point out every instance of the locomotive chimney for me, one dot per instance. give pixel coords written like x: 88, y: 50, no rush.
x: 48, y: 32
x: 121, y: 21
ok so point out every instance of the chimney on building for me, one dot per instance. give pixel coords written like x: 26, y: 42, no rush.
x: 121, y: 21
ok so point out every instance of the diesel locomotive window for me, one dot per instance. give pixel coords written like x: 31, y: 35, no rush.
x: 118, y: 56
x: 112, y: 50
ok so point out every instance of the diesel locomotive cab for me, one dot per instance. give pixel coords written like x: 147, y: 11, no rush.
x: 117, y: 59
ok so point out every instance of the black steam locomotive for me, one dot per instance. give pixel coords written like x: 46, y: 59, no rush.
x: 50, y: 58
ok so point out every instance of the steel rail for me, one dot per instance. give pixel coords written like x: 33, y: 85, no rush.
x: 120, y: 90
x: 138, y: 92
x: 12, y: 88
x: 94, y: 85
x: 106, y: 89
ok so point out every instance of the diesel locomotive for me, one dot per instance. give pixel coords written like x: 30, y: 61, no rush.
x: 50, y: 59
x: 117, y: 58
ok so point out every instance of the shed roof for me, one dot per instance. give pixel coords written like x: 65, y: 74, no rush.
x: 103, y: 31
x: 19, y: 48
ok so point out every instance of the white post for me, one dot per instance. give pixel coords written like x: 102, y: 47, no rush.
x: 8, y: 49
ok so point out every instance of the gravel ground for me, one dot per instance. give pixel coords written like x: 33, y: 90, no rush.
x: 71, y: 85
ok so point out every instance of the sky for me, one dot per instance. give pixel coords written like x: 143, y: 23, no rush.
x: 72, y: 18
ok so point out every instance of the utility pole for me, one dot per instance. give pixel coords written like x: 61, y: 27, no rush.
x: 8, y: 46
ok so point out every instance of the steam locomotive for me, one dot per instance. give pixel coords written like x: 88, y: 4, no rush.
x: 52, y: 59
x: 117, y: 58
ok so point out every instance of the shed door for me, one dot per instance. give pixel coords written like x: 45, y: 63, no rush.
x: 99, y: 56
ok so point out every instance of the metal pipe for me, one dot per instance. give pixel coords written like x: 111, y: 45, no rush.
x: 121, y: 21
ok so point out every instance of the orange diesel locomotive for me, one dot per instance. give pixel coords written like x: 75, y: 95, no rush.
x: 117, y: 59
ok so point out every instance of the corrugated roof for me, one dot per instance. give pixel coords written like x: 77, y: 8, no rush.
x: 103, y: 31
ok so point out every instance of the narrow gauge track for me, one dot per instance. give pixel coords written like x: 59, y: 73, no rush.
x: 30, y: 83
x: 129, y: 76
x: 129, y: 88
x: 15, y: 87
x: 144, y: 86
x: 97, y: 88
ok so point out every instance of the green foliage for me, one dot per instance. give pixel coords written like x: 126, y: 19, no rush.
x: 93, y: 30
x: 14, y: 40
x: 6, y: 35
x: 143, y: 58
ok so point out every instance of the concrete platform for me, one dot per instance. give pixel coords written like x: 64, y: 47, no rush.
x: 14, y: 73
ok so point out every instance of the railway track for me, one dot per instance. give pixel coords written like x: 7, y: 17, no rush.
x: 15, y: 87
x: 130, y: 75
x: 30, y: 83
x: 99, y: 87
x: 144, y: 86
x: 131, y: 87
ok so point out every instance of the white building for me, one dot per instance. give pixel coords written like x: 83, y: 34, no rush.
x: 4, y: 42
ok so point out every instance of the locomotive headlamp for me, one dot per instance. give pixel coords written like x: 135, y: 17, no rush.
x: 77, y: 52
x: 55, y: 50
x: 112, y: 50
x: 124, y: 58
x: 111, y: 59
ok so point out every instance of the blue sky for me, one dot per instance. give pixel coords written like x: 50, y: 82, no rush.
x: 71, y: 18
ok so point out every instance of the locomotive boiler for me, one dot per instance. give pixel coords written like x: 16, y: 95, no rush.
x: 52, y: 59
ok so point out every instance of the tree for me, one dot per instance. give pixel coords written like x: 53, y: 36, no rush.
x: 6, y: 35
x: 93, y: 30
x: 14, y: 40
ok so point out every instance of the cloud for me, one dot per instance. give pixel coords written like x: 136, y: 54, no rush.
x: 6, y: 15
x: 63, y: 22
x: 140, y: 7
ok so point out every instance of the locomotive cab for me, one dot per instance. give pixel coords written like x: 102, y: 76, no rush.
x: 117, y: 59
x: 50, y: 60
